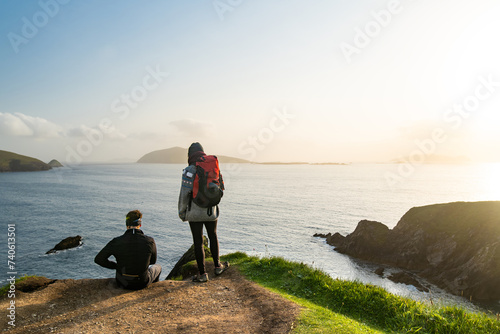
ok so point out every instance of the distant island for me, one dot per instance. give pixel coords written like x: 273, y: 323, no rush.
x: 280, y: 163
x: 436, y: 159
x: 13, y: 162
x: 301, y: 163
x: 55, y: 164
x: 178, y: 155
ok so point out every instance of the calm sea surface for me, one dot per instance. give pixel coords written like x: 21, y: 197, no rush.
x: 267, y: 210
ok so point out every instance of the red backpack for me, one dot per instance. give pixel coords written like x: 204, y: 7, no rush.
x: 208, y: 185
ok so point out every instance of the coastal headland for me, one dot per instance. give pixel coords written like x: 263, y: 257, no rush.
x: 455, y: 246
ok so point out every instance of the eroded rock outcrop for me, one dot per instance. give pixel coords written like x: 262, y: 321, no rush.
x: 186, y: 258
x: 455, y: 246
x: 34, y: 283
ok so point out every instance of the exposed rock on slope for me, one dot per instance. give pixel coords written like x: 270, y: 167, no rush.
x: 455, y: 246
x: 186, y: 258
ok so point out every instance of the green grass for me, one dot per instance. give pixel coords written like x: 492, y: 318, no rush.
x: 318, y: 319
x: 24, y: 163
x: 338, y: 306
x: 6, y: 157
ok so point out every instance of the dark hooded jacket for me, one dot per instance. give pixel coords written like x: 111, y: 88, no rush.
x: 134, y: 252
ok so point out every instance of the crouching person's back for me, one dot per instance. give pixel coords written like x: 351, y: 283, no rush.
x: 135, y: 255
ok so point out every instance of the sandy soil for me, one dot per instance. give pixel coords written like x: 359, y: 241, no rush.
x: 226, y: 304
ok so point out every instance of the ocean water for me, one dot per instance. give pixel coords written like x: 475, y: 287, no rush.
x: 267, y: 210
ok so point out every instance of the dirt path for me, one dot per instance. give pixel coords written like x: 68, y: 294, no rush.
x: 225, y: 304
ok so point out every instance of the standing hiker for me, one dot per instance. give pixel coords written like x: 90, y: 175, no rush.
x: 135, y: 255
x: 201, y: 190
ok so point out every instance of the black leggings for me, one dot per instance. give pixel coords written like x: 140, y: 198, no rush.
x: 199, y: 252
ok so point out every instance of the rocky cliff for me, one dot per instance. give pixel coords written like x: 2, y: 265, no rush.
x: 455, y: 246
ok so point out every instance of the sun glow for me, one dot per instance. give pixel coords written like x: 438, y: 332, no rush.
x: 491, y: 181
x: 486, y: 127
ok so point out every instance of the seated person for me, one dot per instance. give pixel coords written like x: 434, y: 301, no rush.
x: 135, y: 255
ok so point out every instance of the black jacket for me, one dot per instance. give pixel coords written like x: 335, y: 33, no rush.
x: 134, y: 252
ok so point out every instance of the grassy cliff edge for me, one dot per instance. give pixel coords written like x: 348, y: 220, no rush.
x: 354, y: 307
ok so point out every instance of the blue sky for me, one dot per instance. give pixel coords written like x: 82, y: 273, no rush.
x: 87, y: 81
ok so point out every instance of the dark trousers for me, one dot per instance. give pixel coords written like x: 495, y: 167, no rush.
x: 137, y: 283
x: 199, y: 252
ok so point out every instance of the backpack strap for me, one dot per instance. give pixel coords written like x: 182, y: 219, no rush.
x: 190, y: 200
x: 221, y: 181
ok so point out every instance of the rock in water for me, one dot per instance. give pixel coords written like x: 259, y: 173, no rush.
x: 454, y: 245
x: 331, y: 239
x: 186, y: 258
x: 69, y: 242
x: 406, y: 278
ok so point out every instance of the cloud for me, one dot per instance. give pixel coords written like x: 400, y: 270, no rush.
x: 84, y: 131
x: 20, y: 125
x: 193, y: 128
x: 423, y: 129
x: 148, y: 136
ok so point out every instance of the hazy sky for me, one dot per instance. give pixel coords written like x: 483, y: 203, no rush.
x: 264, y: 80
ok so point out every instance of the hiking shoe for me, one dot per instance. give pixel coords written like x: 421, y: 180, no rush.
x: 222, y: 268
x: 201, y: 278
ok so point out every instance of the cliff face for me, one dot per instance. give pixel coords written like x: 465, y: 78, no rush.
x: 455, y: 246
